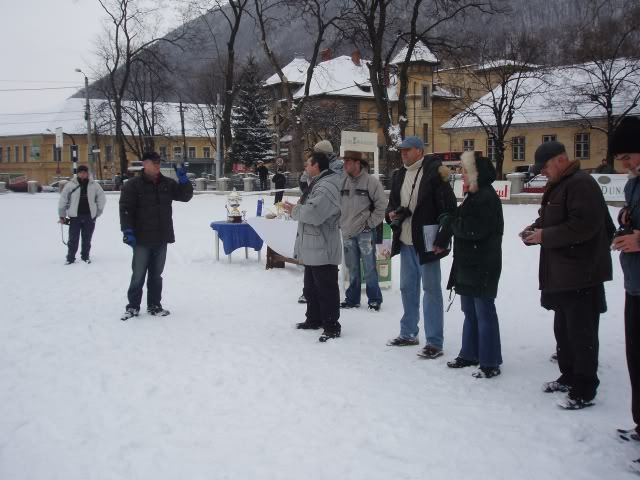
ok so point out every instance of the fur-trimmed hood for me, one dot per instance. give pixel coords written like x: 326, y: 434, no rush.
x: 480, y: 171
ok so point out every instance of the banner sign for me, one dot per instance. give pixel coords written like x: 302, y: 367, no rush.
x: 612, y: 186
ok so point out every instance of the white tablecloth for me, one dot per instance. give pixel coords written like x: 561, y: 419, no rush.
x: 278, y: 234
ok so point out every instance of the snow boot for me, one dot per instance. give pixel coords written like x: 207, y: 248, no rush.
x: 403, y: 342
x: 461, y: 363
x: 307, y: 326
x: 554, y: 386
x: 375, y: 306
x: 129, y: 313
x: 349, y: 305
x: 157, y: 311
x: 630, y: 435
x: 577, y: 403
x: 302, y: 299
x: 329, y: 334
x: 430, y: 352
x: 486, y: 372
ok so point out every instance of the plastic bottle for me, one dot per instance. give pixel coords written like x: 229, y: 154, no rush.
x: 259, y: 209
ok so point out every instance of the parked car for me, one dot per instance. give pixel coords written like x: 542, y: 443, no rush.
x: 52, y: 187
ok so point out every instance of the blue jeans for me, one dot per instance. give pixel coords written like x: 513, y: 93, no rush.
x: 480, y: 333
x: 82, y: 224
x: 362, y: 246
x: 411, y: 274
x: 151, y: 260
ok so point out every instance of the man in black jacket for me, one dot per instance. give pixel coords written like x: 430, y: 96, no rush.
x: 574, y: 231
x: 420, y: 193
x: 147, y: 226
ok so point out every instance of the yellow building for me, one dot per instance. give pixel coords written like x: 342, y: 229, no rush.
x: 28, y: 147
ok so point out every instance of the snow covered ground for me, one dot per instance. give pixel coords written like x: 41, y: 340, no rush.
x: 226, y: 388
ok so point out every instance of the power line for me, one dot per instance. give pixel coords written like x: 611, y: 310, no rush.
x: 44, y: 88
x: 39, y: 81
x: 43, y: 113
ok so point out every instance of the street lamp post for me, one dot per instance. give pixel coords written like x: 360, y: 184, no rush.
x: 87, y: 115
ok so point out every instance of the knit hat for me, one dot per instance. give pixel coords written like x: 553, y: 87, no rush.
x: 626, y: 138
x: 153, y: 156
x: 83, y: 168
x: 546, y: 152
x: 323, y: 146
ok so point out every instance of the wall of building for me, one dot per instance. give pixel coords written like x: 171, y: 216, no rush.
x: 39, y: 163
x: 533, y: 135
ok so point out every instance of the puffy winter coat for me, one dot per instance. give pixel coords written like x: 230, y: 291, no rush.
x: 435, y: 197
x: 70, y: 198
x: 318, y: 239
x: 477, y: 226
x: 575, y: 251
x: 145, y: 207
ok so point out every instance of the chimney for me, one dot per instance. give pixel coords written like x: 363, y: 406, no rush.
x: 325, y: 54
x: 355, y: 57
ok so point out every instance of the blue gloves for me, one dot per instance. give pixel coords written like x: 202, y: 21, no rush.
x: 182, y: 175
x: 128, y: 237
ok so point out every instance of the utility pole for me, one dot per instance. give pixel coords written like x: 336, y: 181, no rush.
x: 218, y: 138
x: 87, y: 117
x: 184, y: 137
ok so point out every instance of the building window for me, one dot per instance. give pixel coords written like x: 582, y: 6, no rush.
x: 192, y: 152
x: 177, y: 153
x: 206, y: 152
x: 425, y: 133
x: 469, y: 145
x: 163, y: 152
x: 1, y: 159
x: 517, y: 146
x: 582, y: 145
x: 9, y: 153
x: 549, y: 138
x: 17, y: 153
x: 24, y: 153
x: 425, y: 96
x: 491, y: 149
x: 457, y: 91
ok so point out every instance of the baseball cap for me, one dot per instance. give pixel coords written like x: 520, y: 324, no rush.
x: 412, y: 142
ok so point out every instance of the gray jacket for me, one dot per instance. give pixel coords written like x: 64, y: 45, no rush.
x: 70, y: 198
x: 362, y: 204
x: 630, y: 262
x: 318, y: 239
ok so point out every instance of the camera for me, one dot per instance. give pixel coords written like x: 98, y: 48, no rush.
x: 624, y: 220
x: 402, y: 213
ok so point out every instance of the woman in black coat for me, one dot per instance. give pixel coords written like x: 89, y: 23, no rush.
x: 477, y: 226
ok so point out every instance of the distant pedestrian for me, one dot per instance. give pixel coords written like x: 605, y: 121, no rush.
x: 263, y: 174
x: 279, y: 181
x: 146, y: 222
x: 82, y: 200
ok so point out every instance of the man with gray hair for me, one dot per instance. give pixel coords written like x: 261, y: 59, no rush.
x: 574, y: 233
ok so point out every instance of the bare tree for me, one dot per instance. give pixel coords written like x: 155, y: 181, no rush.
x: 509, y: 72
x: 604, y: 39
x: 379, y: 25
x: 126, y: 38
x: 325, y: 119
x: 320, y: 16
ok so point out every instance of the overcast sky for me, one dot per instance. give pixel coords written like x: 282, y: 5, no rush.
x: 42, y: 42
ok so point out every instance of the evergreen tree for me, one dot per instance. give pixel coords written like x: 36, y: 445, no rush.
x: 251, y: 135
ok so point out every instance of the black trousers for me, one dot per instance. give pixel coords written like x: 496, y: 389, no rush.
x: 632, y: 338
x: 278, y: 197
x: 575, y: 324
x: 323, y: 296
x: 82, y: 224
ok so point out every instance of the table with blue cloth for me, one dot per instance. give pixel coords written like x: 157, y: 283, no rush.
x: 234, y: 236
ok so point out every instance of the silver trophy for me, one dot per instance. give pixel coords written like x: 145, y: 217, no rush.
x: 234, y: 215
